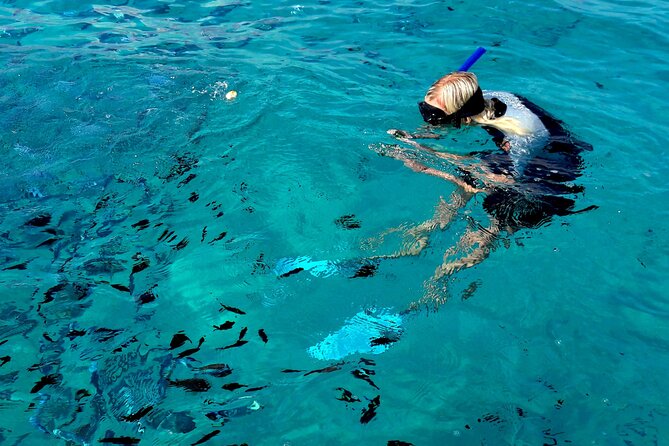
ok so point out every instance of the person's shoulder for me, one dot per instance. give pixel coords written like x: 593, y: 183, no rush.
x: 540, y: 112
x: 556, y: 128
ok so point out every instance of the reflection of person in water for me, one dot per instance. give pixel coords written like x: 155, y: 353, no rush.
x: 528, y: 180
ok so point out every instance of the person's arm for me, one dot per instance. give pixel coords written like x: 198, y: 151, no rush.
x: 409, y: 139
x: 403, y: 134
x: 478, y: 171
x: 421, y: 168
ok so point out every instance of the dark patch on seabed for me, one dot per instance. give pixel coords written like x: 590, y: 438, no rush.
x: 348, y: 222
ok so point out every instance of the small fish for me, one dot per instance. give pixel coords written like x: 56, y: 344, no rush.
x: 166, y: 233
x: 471, y: 289
x: 204, y: 234
x: 239, y: 343
x: 119, y: 440
x: 399, y: 442
x: 255, y: 389
x: 490, y: 418
x: 178, y: 340
x: 194, y: 196
x: 213, y: 416
x: 217, y: 370
x: 75, y: 333
x: 48, y: 242
x: 120, y: 287
x: 242, y: 333
x: 47, y: 380
x: 224, y: 326
x: 125, y: 344
x: 231, y: 309
x: 182, y: 244
x: 48, y: 295
x: 39, y: 221
x: 291, y: 371
x: 259, y: 266
x: 370, y: 412
x: 141, y: 264
x: 192, y: 384
x: 233, y: 386
x: 106, y: 333
x: 191, y: 351
x: 140, y: 225
x: 137, y: 415
x: 291, y: 272
x: 218, y: 237
x: 19, y: 266
x: 348, y: 222
x: 103, y: 202
x: 81, y: 393
x: 186, y: 180
x: 347, y: 396
x: 207, y: 437
x: 263, y: 335
x: 4, y: 360
x: 329, y: 369
x: 365, y: 271
x: 146, y: 297
x: 364, y: 375
x: 383, y: 340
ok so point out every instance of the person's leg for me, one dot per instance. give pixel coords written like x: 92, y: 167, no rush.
x: 476, y: 244
x: 416, y: 238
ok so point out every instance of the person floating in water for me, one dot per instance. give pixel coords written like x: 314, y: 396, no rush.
x: 528, y: 180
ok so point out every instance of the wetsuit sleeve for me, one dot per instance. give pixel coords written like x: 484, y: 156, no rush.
x: 496, y: 134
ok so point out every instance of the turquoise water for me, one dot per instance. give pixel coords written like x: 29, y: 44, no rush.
x: 136, y: 200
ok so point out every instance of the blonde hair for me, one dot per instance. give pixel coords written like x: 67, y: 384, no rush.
x: 452, y: 91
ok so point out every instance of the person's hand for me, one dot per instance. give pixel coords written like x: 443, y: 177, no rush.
x: 399, y: 134
x: 390, y: 150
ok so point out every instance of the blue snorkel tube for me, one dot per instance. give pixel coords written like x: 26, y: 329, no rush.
x: 471, y: 60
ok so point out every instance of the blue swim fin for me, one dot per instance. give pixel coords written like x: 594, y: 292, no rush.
x: 368, y: 332
x: 289, y: 266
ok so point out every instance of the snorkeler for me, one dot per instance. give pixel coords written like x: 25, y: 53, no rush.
x: 526, y: 181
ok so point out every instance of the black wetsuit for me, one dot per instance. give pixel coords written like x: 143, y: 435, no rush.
x: 545, y: 187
